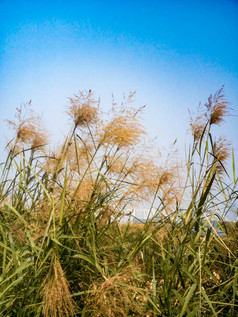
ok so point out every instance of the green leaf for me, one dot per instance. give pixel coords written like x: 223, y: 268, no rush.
x: 188, y: 298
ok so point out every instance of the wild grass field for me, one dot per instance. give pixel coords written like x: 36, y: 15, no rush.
x: 68, y: 244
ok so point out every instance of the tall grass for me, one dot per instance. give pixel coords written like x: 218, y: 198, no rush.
x: 64, y: 250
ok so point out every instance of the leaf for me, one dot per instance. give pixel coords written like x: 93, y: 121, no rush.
x: 188, y: 298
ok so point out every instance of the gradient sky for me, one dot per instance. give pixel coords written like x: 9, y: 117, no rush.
x: 173, y: 53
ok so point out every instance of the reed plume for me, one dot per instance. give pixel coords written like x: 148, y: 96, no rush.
x: 57, y: 300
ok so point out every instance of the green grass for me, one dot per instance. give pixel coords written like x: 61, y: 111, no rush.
x: 64, y: 250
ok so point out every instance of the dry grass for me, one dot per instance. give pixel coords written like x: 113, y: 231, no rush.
x: 221, y: 152
x: 82, y: 109
x: 57, y: 300
x: 63, y: 248
x: 123, y: 131
x: 217, y: 108
x: 29, y: 128
x: 118, y: 295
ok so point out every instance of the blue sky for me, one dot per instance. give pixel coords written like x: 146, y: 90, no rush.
x: 173, y: 53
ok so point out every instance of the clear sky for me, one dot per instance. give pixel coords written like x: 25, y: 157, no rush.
x: 173, y: 53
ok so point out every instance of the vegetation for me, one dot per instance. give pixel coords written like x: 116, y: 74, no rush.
x: 66, y: 247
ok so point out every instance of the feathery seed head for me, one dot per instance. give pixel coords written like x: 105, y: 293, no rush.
x: 124, y: 130
x: 29, y: 128
x: 57, y: 299
x: 217, y: 107
x: 222, y: 152
x: 198, y: 123
x: 82, y: 109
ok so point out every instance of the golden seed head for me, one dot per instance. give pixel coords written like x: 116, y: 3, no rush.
x: 29, y: 128
x: 221, y: 152
x: 124, y: 130
x: 217, y: 107
x: 57, y: 299
x: 82, y: 109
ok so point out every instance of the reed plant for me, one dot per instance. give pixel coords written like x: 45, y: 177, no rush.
x: 68, y: 244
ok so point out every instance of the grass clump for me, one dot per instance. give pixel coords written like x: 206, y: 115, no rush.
x: 57, y: 300
x: 65, y: 247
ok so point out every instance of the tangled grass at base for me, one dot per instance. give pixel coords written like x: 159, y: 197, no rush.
x: 64, y: 250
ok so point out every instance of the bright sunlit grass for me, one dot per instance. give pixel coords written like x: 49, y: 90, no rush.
x: 64, y: 250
